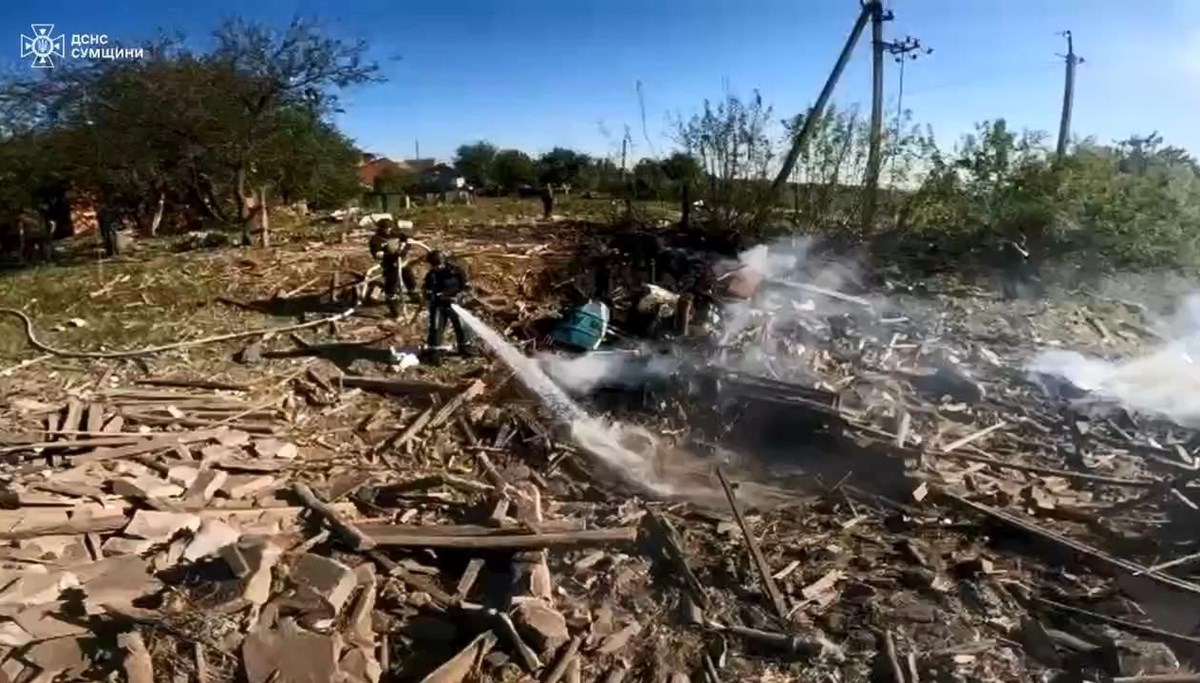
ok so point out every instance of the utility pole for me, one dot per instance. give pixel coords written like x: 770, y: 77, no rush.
x: 626, y: 188
x: 810, y: 121
x: 1064, y: 124
x: 903, y: 50
x: 874, y: 153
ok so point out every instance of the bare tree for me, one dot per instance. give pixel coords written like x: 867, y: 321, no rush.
x: 732, y: 142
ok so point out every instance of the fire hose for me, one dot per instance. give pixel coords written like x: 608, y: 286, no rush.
x: 151, y: 350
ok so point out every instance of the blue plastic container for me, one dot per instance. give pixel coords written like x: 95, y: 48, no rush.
x: 584, y: 327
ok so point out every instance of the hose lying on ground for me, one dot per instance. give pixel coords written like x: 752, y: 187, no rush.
x: 151, y: 350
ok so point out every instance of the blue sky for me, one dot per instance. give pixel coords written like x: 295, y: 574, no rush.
x: 535, y: 74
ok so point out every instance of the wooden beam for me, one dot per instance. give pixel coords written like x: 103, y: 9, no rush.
x: 502, y: 539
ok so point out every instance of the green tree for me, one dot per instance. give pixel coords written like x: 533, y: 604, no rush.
x: 513, y: 168
x: 299, y: 67
x: 311, y: 160
x: 197, y: 129
x: 1142, y: 154
x: 602, y: 175
x: 562, y: 166
x: 1132, y: 205
x: 649, y: 179
x: 476, y: 163
x: 682, y: 167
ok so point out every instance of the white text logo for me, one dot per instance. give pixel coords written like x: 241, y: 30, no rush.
x: 43, y: 46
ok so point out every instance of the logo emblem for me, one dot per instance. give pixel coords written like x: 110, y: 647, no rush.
x: 43, y: 46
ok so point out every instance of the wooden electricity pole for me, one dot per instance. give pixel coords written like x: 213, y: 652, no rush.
x: 875, y: 151
x: 1064, y: 123
x: 626, y: 187
x: 810, y: 120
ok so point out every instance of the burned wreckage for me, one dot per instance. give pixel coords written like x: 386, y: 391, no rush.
x: 720, y: 342
x: 766, y: 367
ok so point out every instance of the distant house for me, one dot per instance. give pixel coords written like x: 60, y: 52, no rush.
x: 433, y: 175
x: 372, y: 167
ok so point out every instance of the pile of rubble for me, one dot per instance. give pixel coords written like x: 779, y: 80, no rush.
x: 863, y: 492
x: 1099, y: 501
x: 923, y: 408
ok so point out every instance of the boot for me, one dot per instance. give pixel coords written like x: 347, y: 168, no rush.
x: 394, y: 308
x: 435, y: 357
x: 466, y: 351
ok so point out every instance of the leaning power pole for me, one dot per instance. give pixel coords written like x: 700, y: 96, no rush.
x: 875, y: 152
x: 1064, y: 123
x: 810, y: 120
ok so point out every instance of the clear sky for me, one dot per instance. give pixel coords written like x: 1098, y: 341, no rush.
x: 538, y: 73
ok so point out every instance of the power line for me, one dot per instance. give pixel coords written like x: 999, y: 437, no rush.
x: 989, y: 79
x: 903, y: 51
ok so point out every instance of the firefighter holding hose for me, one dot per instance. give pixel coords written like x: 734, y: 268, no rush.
x: 391, y: 247
x: 445, y: 285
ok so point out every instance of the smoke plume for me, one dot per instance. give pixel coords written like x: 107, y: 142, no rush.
x: 583, y: 374
x: 1165, y: 381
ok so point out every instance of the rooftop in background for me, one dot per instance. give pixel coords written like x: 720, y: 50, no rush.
x: 374, y: 165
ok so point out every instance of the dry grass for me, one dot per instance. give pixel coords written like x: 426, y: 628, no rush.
x: 154, y: 294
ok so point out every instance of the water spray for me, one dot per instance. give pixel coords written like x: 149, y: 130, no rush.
x: 601, y: 441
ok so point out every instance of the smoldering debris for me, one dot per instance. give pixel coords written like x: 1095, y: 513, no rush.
x: 854, y: 492
x: 1163, y: 381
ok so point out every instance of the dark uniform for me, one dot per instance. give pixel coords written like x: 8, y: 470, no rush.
x: 109, y: 224
x: 391, y: 246
x: 1017, y: 275
x: 547, y: 201
x: 445, y: 283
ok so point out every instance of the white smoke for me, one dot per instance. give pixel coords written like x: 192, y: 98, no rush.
x: 1165, y: 381
x: 777, y: 261
x: 776, y: 332
x: 784, y: 260
x: 607, y: 442
x: 582, y: 374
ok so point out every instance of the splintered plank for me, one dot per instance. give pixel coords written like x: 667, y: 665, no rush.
x: 353, y: 537
x: 68, y: 527
x: 398, y: 387
x: 52, y: 424
x: 501, y: 539
x: 114, y: 424
x: 191, y: 384
x: 70, y: 423
x: 143, y: 418
x: 155, y: 443
x: 122, y: 440
x: 95, y: 417
x: 756, y: 555
x: 445, y: 412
